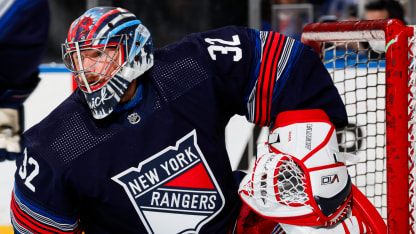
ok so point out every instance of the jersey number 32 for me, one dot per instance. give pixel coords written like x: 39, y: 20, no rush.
x: 225, y: 47
x: 23, y: 171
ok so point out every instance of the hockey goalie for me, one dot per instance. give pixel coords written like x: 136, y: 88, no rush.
x: 300, y: 183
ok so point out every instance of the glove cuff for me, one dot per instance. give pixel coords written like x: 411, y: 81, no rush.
x: 299, y: 116
x: 14, y: 98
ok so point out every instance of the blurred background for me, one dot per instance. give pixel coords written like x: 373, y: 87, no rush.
x: 170, y: 20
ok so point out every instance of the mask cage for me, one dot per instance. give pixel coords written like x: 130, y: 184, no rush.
x: 87, y: 79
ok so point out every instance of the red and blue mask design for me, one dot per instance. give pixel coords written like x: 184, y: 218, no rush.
x: 106, y: 48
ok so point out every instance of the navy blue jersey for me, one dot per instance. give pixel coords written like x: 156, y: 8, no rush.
x: 23, y: 38
x: 161, y: 166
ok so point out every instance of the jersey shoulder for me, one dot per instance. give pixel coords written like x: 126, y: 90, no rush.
x: 66, y: 133
x: 182, y: 65
x: 178, y: 67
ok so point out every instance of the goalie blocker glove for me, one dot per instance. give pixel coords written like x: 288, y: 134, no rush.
x: 302, y: 178
x: 11, y: 121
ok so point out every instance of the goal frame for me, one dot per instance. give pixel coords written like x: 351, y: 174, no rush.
x: 396, y: 35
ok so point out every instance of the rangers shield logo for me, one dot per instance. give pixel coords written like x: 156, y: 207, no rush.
x: 173, y: 191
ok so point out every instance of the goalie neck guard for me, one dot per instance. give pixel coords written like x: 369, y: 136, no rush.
x: 301, y: 179
x: 106, y: 49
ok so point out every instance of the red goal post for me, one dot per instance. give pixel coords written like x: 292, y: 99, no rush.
x: 378, y: 90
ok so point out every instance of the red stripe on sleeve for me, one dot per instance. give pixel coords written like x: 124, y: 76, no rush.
x: 273, y: 77
x: 266, y: 80
x: 260, y: 81
x: 26, y: 221
x: 31, y: 224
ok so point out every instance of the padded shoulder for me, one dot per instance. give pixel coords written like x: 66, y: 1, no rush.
x: 67, y: 132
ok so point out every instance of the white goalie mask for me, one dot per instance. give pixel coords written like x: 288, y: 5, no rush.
x: 301, y: 177
x: 106, y: 49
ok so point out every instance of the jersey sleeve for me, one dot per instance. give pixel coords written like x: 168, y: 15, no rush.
x: 23, y: 41
x: 39, y: 203
x: 273, y: 73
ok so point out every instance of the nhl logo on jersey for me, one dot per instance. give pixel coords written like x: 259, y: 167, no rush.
x: 134, y: 118
x: 173, y: 191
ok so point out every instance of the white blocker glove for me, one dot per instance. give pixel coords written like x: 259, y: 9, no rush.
x: 9, y: 134
x: 302, y: 178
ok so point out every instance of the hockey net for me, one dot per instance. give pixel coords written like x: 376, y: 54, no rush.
x: 373, y: 67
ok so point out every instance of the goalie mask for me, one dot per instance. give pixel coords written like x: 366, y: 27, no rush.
x: 301, y: 179
x: 106, y: 49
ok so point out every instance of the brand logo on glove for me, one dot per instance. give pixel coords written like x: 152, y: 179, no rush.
x: 329, y: 179
x: 175, y: 185
x: 308, y: 134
